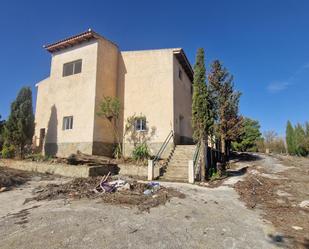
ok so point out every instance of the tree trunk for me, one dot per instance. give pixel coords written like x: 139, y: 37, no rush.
x: 223, y: 155
x: 223, y: 151
x: 203, y: 160
x: 207, y: 165
x: 212, y: 153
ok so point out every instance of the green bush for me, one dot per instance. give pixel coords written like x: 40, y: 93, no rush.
x: 8, y: 151
x: 141, y: 152
x: 117, y: 152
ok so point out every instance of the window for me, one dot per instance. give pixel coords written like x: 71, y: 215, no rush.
x: 179, y: 74
x: 73, y: 67
x: 140, y: 124
x: 67, y: 123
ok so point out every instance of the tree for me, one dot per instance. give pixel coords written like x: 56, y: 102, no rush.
x: 290, y: 138
x: 250, y: 135
x: 19, y: 128
x: 226, y: 102
x: 109, y: 108
x: 2, y: 123
x: 307, y: 136
x: 300, y: 140
x: 269, y: 137
x: 202, y: 117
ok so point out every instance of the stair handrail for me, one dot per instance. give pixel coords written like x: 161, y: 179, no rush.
x: 165, y: 143
x: 196, y: 157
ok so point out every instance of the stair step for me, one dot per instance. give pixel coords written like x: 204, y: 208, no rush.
x: 177, y: 167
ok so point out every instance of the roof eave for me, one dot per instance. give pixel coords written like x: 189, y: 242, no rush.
x: 183, y: 60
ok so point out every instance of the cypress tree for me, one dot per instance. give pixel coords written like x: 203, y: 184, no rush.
x: 226, y: 103
x: 2, y: 122
x: 299, y: 136
x: 290, y: 139
x: 202, y: 119
x: 19, y: 128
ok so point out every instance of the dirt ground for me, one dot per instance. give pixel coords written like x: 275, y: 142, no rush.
x: 278, y: 185
x: 235, y: 212
x: 10, y: 178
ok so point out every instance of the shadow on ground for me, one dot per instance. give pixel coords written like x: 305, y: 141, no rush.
x: 244, y: 157
x: 239, y: 172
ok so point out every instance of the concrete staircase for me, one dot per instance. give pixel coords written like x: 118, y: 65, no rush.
x: 177, y: 167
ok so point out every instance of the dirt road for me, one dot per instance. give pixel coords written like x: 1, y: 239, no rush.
x: 207, y: 218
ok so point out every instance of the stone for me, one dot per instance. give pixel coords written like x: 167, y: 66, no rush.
x: 304, y: 204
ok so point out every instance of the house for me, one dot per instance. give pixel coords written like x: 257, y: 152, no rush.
x: 153, y: 85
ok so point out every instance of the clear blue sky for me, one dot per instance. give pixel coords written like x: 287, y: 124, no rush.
x: 264, y: 44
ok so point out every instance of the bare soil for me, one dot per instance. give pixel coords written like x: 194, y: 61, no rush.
x: 10, y: 178
x: 278, y: 194
x: 80, y: 188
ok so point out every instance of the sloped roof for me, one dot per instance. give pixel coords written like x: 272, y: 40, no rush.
x: 73, y: 40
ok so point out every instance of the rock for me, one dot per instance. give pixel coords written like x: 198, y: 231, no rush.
x: 304, y: 204
x: 3, y: 189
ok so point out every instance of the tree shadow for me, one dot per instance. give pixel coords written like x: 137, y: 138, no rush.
x: 50, y: 146
x: 244, y: 157
x: 280, y: 240
x: 238, y: 172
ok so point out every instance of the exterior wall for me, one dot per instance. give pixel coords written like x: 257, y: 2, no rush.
x: 146, y: 83
x: 106, y: 82
x: 146, y: 80
x: 182, y: 105
x: 73, y: 95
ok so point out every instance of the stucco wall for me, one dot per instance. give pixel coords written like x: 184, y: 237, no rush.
x: 147, y: 78
x: 74, y: 95
x: 106, y: 82
x: 182, y: 105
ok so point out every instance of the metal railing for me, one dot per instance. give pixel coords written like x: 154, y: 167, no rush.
x: 196, y: 157
x: 161, y: 150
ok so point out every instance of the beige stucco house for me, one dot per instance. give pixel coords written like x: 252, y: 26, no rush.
x: 153, y: 84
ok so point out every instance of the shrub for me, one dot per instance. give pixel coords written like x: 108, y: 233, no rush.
x: 141, y: 152
x: 72, y: 159
x: 117, y: 152
x: 8, y: 151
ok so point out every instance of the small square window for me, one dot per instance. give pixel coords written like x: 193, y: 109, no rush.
x: 140, y: 124
x: 67, y: 123
x: 71, y: 68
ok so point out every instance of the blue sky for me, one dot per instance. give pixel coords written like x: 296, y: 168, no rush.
x: 264, y: 44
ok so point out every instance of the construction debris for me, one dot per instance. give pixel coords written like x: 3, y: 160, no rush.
x: 119, y: 192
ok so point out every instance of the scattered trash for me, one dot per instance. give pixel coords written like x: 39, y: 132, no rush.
x: 297, y: 228
x: 148, y: 192
x: 152, y: 188
x: 126, y: 192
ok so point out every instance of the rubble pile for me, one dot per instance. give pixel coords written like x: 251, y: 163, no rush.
x: 119, y: 192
